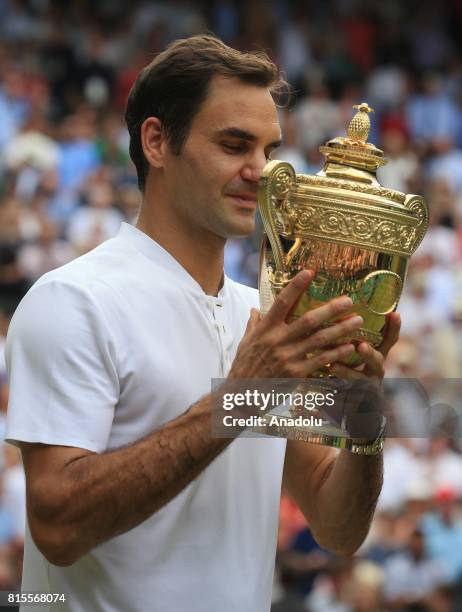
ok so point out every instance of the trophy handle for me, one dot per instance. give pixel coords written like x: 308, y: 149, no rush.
x: 417, y: 205
x: 276, y: 183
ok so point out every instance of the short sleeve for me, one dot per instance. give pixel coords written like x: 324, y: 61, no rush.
x: 61, y: 366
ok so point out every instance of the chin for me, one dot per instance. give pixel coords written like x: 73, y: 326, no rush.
x: 241, y: 230
x: 235, y: 225
x: 245, y: 223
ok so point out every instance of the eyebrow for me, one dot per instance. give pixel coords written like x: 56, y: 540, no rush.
x: 235, y: 132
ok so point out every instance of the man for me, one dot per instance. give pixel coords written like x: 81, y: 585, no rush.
x: 132, y: 504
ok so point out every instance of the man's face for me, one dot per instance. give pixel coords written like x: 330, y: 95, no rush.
x: 212, y: 184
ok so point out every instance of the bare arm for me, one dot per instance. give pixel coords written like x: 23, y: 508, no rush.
x: 78, y: 499
x: 338, y: 491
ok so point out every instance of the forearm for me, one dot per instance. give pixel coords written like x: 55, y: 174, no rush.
x: 346, y: 501
x: 100, y: 496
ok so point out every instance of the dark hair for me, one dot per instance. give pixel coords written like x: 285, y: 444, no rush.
x: 174, y: 85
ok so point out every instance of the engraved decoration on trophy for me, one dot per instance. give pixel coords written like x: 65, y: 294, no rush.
x: 356, y: 235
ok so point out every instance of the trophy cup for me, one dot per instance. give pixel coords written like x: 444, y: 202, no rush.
x: 356, y: 235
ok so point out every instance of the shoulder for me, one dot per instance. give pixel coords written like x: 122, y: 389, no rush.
x: 108, y: 262
x: 54, y: 312
x: 98, y: 277
x: 80, y: 295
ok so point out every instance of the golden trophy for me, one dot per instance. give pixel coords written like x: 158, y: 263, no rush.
x: 355, y: 234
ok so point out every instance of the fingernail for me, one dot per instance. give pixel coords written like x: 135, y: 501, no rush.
x: 357, y: 320
x: 345, y: 302
x: 304, y: 275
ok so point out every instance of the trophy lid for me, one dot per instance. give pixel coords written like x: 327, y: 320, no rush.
x: 343, y: 203
x: 354, y: 150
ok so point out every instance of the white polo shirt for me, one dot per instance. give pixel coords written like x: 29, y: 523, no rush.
x: 103, y: 351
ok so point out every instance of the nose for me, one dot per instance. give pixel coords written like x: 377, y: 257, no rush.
x: 253, y: 168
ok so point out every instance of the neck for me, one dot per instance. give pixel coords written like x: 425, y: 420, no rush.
x: 200, y: 253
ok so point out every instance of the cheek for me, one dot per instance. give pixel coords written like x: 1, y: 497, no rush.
x: 208, y: 172
x: 230, y: 176
x: 213, y: 176
x: 181, y: 178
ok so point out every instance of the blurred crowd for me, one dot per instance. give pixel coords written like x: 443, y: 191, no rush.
x: 66, y: 184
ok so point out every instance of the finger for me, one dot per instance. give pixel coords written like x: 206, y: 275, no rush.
x: 313, y: 319
x: 287, y: 299
x: 327, y: 336
x: 342, y: 371
x: 254, y: 319
x: 314, y: 363
x: 373, y: 360
x: 391, y: 334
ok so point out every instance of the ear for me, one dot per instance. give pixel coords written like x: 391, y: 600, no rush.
x: 153, y: 141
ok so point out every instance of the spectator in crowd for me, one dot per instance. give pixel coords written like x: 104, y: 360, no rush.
x: 442, y: 528
x: 97, y: 220
x: 331, y: 589
x: 402, y: 166
x: 410, y: 576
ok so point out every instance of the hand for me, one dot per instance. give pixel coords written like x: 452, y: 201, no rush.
x: 374, y: 359
x: 272, y: 347
x: 364, y: 408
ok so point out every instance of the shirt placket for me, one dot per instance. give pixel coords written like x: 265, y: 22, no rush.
x: 223, y: 332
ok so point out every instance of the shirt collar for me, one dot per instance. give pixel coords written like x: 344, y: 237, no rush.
x: 152, y: 250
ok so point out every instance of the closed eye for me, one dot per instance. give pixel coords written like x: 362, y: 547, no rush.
x: 234, y: 148
x: 238, y: 149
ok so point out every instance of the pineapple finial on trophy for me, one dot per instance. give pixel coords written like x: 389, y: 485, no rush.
x: 359, y: 127
x: 353, y: 151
